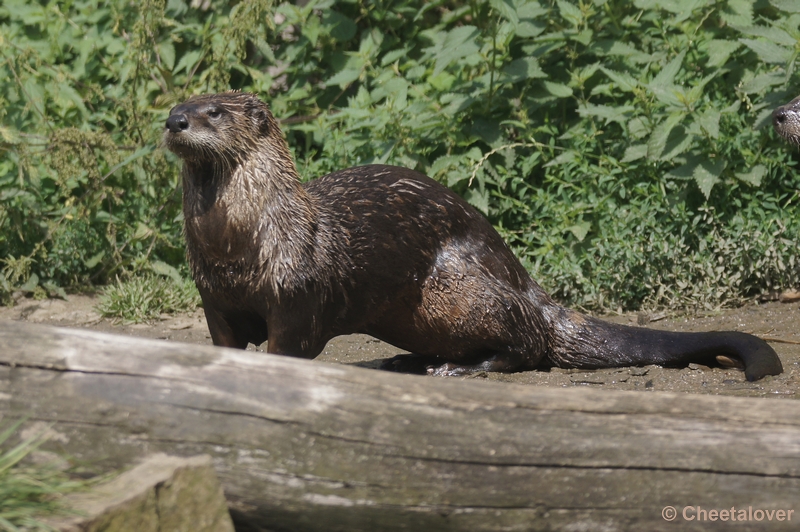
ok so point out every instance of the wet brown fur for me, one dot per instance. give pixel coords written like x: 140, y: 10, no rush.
x: 786, y: 121
x: 379, y: 250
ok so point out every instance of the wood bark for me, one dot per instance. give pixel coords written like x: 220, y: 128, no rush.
x: 302, y: 445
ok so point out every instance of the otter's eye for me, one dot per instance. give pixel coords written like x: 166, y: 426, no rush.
x: 214, y: 112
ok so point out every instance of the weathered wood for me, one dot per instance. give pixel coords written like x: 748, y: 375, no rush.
x: 302, y: 445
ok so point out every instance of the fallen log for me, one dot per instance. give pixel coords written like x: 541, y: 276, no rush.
x: 302, y: 445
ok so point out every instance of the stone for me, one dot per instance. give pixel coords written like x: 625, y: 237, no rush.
x: 162, y: 493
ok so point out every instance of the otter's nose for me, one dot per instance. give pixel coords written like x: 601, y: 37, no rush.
x: 778, y: 116
x: 177, y: 123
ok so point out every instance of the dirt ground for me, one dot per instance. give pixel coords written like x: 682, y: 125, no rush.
x: 778, y: 323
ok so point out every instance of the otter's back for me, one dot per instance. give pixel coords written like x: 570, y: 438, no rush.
x: 389, y: 211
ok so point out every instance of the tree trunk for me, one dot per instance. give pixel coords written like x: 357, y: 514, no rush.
x: 302, y: 445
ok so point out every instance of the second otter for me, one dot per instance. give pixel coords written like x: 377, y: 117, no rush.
x: 384, y: 251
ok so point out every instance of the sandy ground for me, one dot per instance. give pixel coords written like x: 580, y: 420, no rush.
x: 778, y: 323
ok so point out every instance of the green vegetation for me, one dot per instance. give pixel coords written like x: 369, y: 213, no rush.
x: 28, y: 492
x: 146, y: 297
x: 618, y: 145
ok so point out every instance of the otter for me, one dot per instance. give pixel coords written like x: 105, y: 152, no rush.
x: 380, y: 250
x: 786, y: 121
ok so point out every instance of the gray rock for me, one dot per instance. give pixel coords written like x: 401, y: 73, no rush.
x: 162, y: 493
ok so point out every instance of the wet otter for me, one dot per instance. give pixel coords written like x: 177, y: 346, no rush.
x: 379, y: 250
x: 786, y: 121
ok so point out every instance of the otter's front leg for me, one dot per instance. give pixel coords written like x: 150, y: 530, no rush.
x: 222, y: 334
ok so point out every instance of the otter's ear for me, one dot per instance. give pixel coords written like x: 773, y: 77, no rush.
x: 261, y: 119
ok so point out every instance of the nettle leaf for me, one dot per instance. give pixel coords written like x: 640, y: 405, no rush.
x: 618, y: 114
x: 790, y: 6
x: 352, y: 71
x: 668, y: 73
x: 767, y: 51
x: 188, y: 61
x: 522, y: 69
x: 94, y: 260
x: 635, y: 152
x: 529, y: 28
x: 393, y: 55
x: 570, y: 12
x: 580, y: 230
x: 706, y: 175
x: 557, y: 89
x: 686, y: 170
x: 738, y: 12
x: 529, y: 23
x: 709, y: 122
x: 506, y: 9
x: 770, y: 33
x: 338, y: 26
x: 459, y: 42
x: 761, y: 82
x: 625, y: 82
x: 678, y: 142
x: 478, y: 199
x: 658, y: 139
x: 9, y: 135
x: 754, y: 176
x: 623, y: 49
x: 719, y: 51
x: 166, y: 51
x: 566, y: 157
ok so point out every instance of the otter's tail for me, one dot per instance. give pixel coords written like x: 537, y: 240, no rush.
x: 586, y: 342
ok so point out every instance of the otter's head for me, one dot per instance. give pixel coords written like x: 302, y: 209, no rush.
x: 786, y: 121
x: 218, y: 126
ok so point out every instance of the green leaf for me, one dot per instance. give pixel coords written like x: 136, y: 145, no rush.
x: 617, y: 113
x: 719, y: 51
x: 790, y: 6
x: 754, y: 175
x: 557, y: 89
x: 769, y: 33
x: 635, y: 152
x: 166, y: 51
x: 529, y: 28
x: 93, y: 261
x: 142, y: 232
x: 31, y: 284
x: 738, y: 12
x: 623, y: 49
x: 393, y: 55
x: 767, y: 51
x: 338, y: 26
x: 658, y: 139
x: 53, y: 289
x: 522, y: 69
x: 458, y: 43
x: 506, y: 9
x: 162, y: 268
x: 565, y: 157
x: 344, y: 77
x: 188, y: 61
x: 709, y: 122
x: 479, y: 200
x: 570, y: 12
x: 678, y: 142
x: 624, y: 81
x: 580, y: 230
x: 667, y: 75
x: 9, y: 135
x: 706, y: 175
x: 763, y: 81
